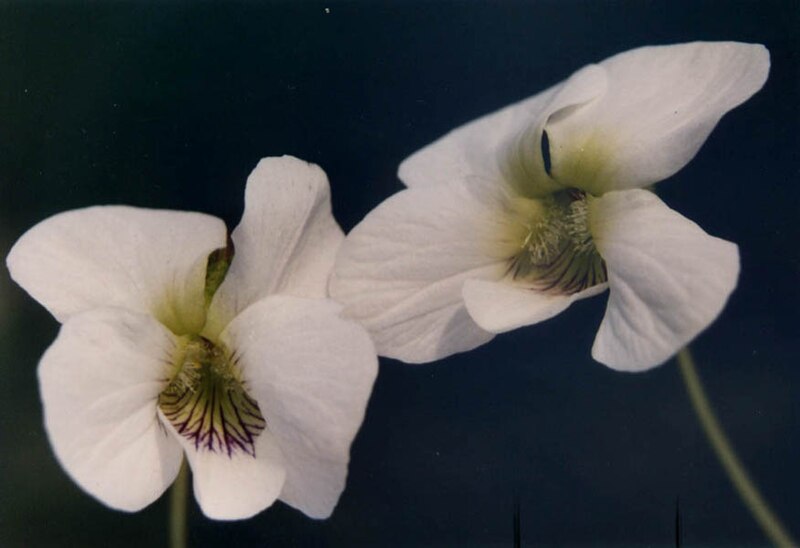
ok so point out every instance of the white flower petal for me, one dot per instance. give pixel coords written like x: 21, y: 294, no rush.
x: 502, y: 306
x: 472, y: 148
x: 144, y: 260
x: 100, y: 382
x: 237, y: 486
x: 311, y: 373
x: 668, y: 279
x: 482, y: 147
x: 400, y: 271
x: 662, y: 102
x: 521, y: 157
x: 286, y: 242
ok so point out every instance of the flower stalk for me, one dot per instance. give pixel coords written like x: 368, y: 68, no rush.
x: 749, y: 493
x: 177, y: 508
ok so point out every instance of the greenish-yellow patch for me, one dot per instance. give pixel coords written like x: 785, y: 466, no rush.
x: 583, y: 164
x: 182, y: 308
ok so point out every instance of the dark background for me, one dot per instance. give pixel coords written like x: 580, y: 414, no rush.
x: 158, y: 105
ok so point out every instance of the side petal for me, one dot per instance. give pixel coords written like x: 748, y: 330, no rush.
x: 99, y: 384
x: 400, y: 271
x: 661, y: 104
x: 145, y: 260
x: 502, y: 306
x: 668, y: 279
x: 286, y: 242
x: 311, y: 373
x: 237, y: 486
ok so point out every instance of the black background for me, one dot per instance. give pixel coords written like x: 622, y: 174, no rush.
x: 160, y: 105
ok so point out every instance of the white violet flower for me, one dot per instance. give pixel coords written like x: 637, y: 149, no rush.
x: 509, y: 219
x: 251, y: 374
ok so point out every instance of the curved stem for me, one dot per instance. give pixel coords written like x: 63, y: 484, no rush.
x: 747, y: 490
x: 177, y: 508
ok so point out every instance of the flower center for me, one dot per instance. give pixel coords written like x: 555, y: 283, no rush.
x: 556, y: 252
x: 206, y: 401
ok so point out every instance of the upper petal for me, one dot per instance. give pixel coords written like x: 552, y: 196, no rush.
x: 521, y: 157
x: 668, y: 279
x: 143, y: 260
x: 311, y: 373
x: 660, y: 106
x: 400, y: 271
x: 286, y: 241
x: 472, y: 148
x: 502, y: 306
x: 99, y: 384
x: 505, y: 143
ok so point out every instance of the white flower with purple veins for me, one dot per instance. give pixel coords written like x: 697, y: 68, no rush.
x: 511, y: 218
x: 170, y: 348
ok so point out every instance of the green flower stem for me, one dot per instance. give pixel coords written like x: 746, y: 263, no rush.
x: 177, y: 508
x: 748, y: 492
